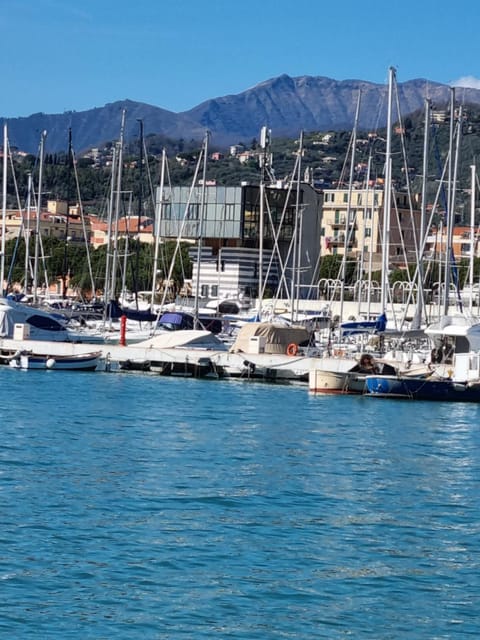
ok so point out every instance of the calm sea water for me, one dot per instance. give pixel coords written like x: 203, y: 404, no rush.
x: 135, y: 506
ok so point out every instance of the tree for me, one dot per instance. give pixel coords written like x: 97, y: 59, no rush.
x: 330, y: 268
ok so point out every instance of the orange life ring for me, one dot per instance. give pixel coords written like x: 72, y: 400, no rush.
x: 292, y: 349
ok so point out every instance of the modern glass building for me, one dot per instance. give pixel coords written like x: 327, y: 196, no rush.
x: 228, y: 220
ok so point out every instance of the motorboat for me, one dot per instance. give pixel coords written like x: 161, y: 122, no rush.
x: 79, y: 362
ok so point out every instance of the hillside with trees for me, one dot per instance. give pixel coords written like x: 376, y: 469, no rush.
x: 326, y: 163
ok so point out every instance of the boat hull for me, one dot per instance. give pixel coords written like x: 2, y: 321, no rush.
x: 336, y: 382
x: 418, y: 388
x: 84, y: 362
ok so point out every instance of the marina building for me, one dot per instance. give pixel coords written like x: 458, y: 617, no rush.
x: 279, y: 235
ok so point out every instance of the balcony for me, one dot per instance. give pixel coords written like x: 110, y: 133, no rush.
x: 339, y: 239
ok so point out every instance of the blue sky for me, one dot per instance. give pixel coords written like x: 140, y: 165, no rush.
x: 60, y: 55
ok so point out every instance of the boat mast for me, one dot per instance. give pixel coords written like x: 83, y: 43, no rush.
x: 117, y: 207
x: 348, y: 227
x: 449, y: 212
x: 451, y: 220
x: 181, y: 229
x: 472, y: 235
x: 65, y: 245
x: 295, y: 283
x: 4, y: 207
x: 126, y: 248
x: 139, y: 212
x: 84, y: 228
x: 362, y: 252
x: 27, y: 234
x: 264, y: 162
x: 108, y: 257
x: 37, y: 221
x: 387, y: 198
x: 200, y: 231
x: 417, y: 319
x: 158, y: 218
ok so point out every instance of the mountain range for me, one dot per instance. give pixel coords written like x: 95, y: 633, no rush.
x: 284, y: 104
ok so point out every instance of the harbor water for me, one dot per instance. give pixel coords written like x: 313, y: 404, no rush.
x: 135, y: 506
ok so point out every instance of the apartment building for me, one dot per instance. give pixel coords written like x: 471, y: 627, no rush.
x: 464, y: 243
x: 352, y: 223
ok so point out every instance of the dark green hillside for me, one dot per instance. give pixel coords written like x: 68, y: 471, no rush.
x: 326, y: 162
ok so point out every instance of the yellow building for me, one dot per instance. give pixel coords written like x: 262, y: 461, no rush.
x: 353, y: 222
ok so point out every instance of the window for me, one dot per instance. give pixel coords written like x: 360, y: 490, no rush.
x: 229, y: 212
x: 43, y: 322
x: 214, y: 291
x: 193, y: 212
x: 204, y: 291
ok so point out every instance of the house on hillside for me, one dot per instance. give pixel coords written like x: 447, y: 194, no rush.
x: 54, y: 222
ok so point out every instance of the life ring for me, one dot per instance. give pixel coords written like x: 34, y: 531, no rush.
x: 292, y: 349
x: 339, y: 353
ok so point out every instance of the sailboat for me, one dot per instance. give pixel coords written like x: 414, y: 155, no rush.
x: 453, y: 372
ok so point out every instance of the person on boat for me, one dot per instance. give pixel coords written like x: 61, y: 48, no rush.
x: 443, y: 352
x: 448, y: 350
x: 436, y: 355
x: 366, y: 364
x: 387, y: 369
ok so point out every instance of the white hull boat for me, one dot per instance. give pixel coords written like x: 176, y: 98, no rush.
x: 82, y: 362
x: 321, y: 381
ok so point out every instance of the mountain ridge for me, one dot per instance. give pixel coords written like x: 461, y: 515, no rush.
x: 285, y: 104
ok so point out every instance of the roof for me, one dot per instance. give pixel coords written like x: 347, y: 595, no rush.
x: 132, y: 224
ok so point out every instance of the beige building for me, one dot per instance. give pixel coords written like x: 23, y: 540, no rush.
x: 53, y: 222
x: 355, y: 224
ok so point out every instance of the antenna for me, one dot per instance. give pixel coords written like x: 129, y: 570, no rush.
x: 265, y: 137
